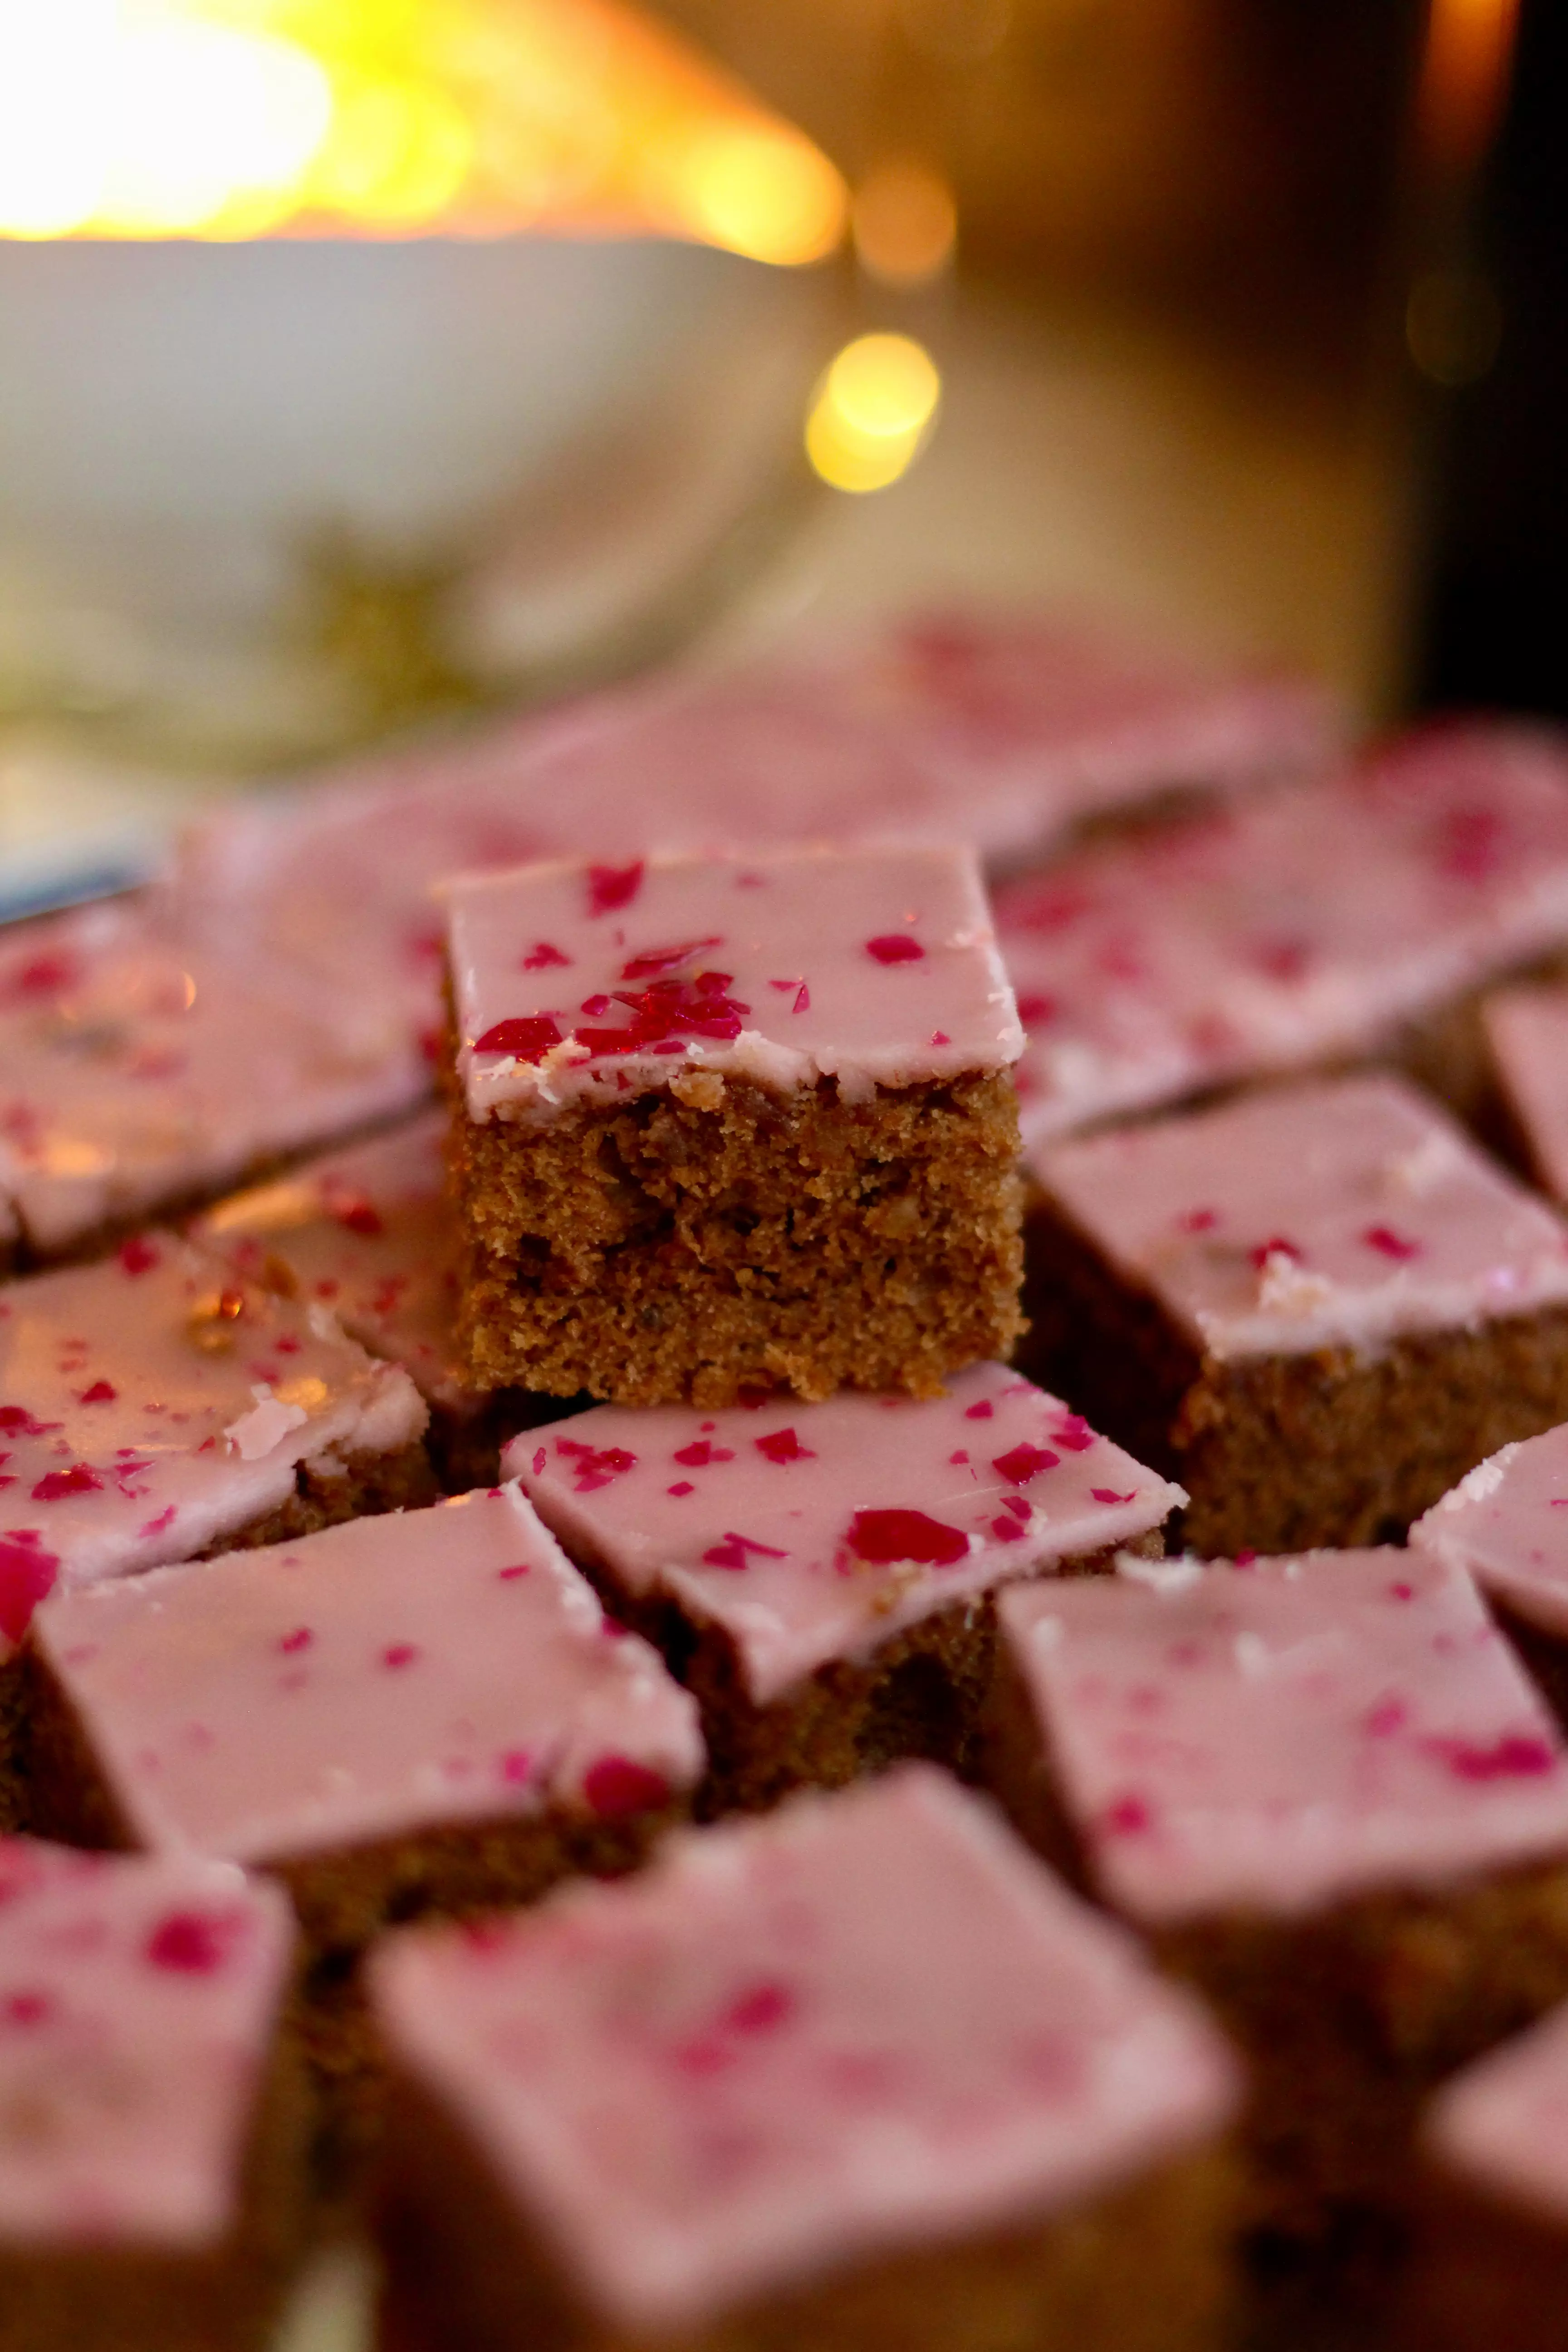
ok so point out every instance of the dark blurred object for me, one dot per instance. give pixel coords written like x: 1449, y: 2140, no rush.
x: 1233, y: 158
x: 1488, y: 327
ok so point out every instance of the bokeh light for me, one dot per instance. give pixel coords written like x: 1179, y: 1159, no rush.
x: 872, y: 412
x: 905, y: 223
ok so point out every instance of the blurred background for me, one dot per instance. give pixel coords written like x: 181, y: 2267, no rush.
x: 366, y: 364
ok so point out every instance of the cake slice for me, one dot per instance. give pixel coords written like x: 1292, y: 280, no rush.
x: 860, y: 2073
x: 1316, y: 1307
x: 151, y: 2142
x: 1526, y: 1032
x: 821, y: 1576
x: 722, y: 1124
x: 1326, y: 1791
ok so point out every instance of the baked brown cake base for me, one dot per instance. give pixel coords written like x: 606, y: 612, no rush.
x: 465, y: 1447
x: 710, y: 1237
x: 226, y: 2298
x: 1483, y: 2276
x: 1285, y: 1452
x: 1139, y: 2269
x: 367, y: 1484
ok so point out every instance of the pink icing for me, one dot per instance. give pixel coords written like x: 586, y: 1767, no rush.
x: 1286, y: 930
x: 154, y: 1404
x: 1501, y: 2126
x: 826, y: 1546
x: 1527, y: 1032
x: 138, y: 2002
x: 1507, y: 1523
x: 380, y: 1678
x: 864, y: 2021
x: 1342, y: 1212
x: 532, y: 1044
x: 1282, y: 1737
x: 366, y: 1231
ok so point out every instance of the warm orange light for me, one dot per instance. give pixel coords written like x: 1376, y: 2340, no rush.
x: 905, y: 223
x: 1464, y: 77
x: 233, y: 118
x: 873, y: 413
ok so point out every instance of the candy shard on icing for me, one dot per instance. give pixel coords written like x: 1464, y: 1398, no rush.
x: 425, y: 1658
x: 1320, y: 1734
x: 1504, y: 1523
x: 1298, y: 1168
x: 860, y: 2022
x: 866, y: 1019
x: 759, y: 1544
x: 147, y: 1993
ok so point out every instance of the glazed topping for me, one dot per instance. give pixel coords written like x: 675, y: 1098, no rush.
x: 366, y: 1234
x: 1318, y: 1216
x: 384, y: 1677
x: 138, y: 2003
x: 594, y: 980
x: 153, y: 1404
x: 1502, y: 2125
x: 1281, y: 1734
x: 864, y: 2021
x: 814, y: 1532
x: 1283, y: 930
x: 1526, y: 1031
x: 1507, y: 1523
x: 139, y: 1065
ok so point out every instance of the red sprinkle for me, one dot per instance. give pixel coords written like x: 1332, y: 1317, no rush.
x: 16, y: 1421
x: 700, y: 1453
x: 883, y: 1537
x: 656, y: 960
x: 538, y: 1459
x: 760, y: 2008
x: 400, y: 1653
x: 612, y: 887
x: 138, y: 1256
x: 1035, y: 1009
x: 895, y: 947
x: 359, y: 1216
x: 1007, y: 1530
x: 194, y: 1943
x: 516, y: 1765
x: 1024, y: 1463
x: 784, y: 1445
x: 26, y: 1577
x: 980, y: 1411
x: 26, y: 2008
x: 1073, y: 1431
x: 100, y: 1392
x: 731, y: 1553
x: 300, y: 1639
x: 615, y: 1786
x: 1109, y: 1494
x: 1515, y: 1756
x: 1126, y: 1818
x: 802, y: 999
x: 543, y: 957
x: 509, y: 1575
x: 681, y: 1486
x: 1388, y: 1244
x: 940, y: 1037
x: 1387, y: 1717
x: 58, y: 1485
x: 1277, y: 1246
x: 1197, y: 1221
x: 528, y: 1039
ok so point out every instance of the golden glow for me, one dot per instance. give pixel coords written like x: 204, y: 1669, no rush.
x: 1464, y: 76
x: 233, y: 118
x: 905, y: 224
x: 872, y: 412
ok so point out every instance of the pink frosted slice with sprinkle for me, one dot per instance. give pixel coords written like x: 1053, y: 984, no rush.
x: 1507, y: 1522
x: 366, y: 1233
x: 815, y: 1532
x: 384, y: 1677
x: 1281, y: 1735
x: 139, y: 1999
x: 1334, y: 1213
x: 779, y: 967
x: 1286, y: 930
x: 154, y: 1404
x: 140, y: 1063
x: 864, y: 2022
x: 1527, y: 1032
x: 1501, y: 2127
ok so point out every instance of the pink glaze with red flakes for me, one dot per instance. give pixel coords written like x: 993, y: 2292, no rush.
x: 1303, y: 924
x: 139, y: 2000
x: 1526, y: 1034
x: 1500, y: 2127
x: 815, y: 1532
x: 382, y: 1677
x: 781, y: 969
x: 154, y: 1404
x: 366, y: 1234
x: 1281, y: 1735
x: 866, y: 2022
x: 1334, y: 1213
x: 1507, y: 1523
x: 140, y: 1063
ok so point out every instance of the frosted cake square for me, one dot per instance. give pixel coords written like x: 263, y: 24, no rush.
x: 857, y: 2072
x: 1507, y: 1523
x: 821, y: 1576
x: 722, y: 1124
x: 1316, y: 1307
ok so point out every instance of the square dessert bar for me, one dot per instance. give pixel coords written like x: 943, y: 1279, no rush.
x: 1316, y: 1307
x: 821, y: 1576
x: 1507, y: 1523
x: 366, y: 1234
x: 860, y: 2073
x: 723, y: 1123
x: 1526, y: 1032
x: 1489, y: 2272
x: 151, y: 2149
x: 1352, y: 913
x: 1326, y: 1790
